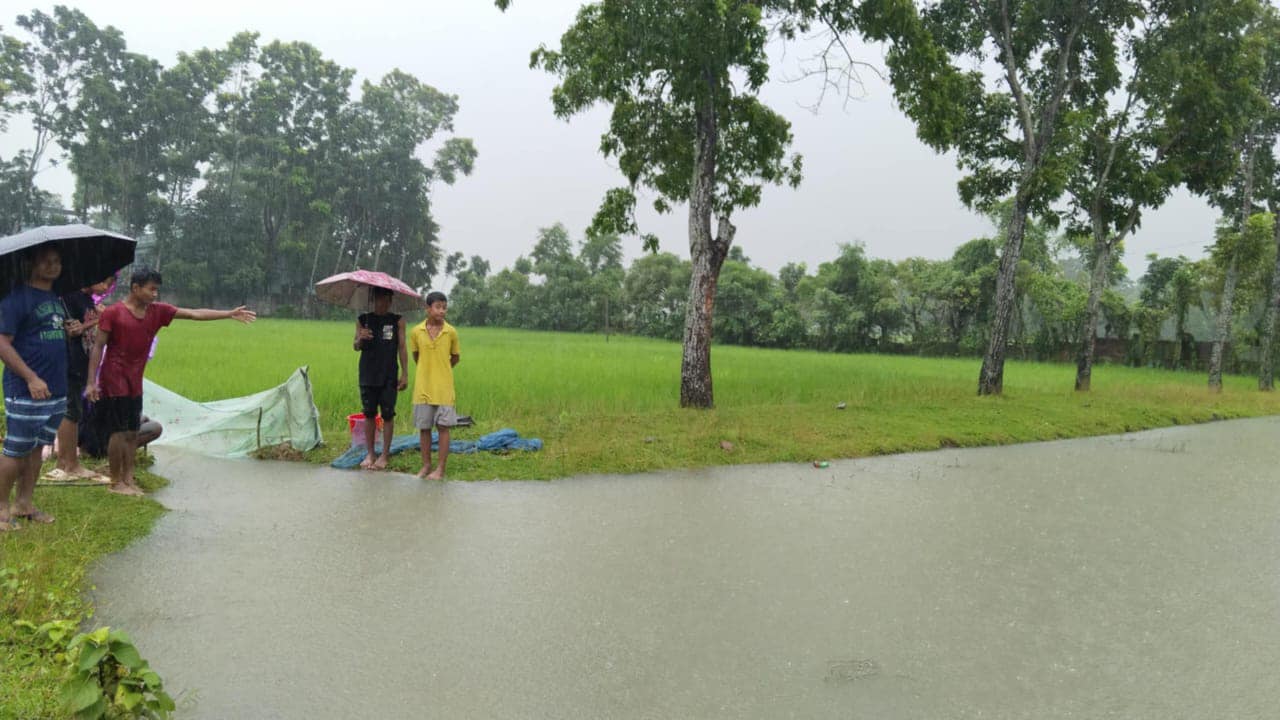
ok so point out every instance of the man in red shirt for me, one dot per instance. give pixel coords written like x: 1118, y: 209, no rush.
x: 126, y: 330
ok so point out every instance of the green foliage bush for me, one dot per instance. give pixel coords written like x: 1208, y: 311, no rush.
x: 107, y: 676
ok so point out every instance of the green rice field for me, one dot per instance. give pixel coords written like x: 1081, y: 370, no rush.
x: 610, y: 405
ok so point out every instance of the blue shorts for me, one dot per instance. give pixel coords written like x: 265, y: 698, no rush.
x: 30, y: 423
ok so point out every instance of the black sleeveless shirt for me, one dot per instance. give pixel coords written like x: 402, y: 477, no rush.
x: 380, y: 356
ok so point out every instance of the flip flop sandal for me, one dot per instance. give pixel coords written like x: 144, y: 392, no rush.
x: 58, y: 475
x: 9, y: 525
x: 36, y: 516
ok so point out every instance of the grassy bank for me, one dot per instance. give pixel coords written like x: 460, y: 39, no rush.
x: 43, y: 577
x: 609, y: 405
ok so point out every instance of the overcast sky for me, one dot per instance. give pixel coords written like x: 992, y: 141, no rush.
x: 866, y: 176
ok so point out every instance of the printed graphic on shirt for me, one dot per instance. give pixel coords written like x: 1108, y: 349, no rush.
x: 49, y: 316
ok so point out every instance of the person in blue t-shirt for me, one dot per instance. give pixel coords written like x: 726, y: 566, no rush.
x: 33, y: 347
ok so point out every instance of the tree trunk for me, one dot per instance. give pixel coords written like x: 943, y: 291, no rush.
x: 342, y: 249
x: 271, y: 230
x: 1084, y: 366
x: 695, y: 363
x: 1222, y: 328
x: 315, y: 268
x: 364, y: 235
x: 1179, y: 329
x: 707, y: 254
x: 991, y: 378
x: 1266, y: 364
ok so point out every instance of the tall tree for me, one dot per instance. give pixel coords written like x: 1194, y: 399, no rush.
x: 382, y: 207
x: 63, y: 51
x: 1269, y: 175
x: 184, y: 107
x: 683, y: 79
x: 601, y: 256
x: 15, y: 83
x: 282, y: 127
x: 655, y: 293
x: 116, y: 153
x: 1010, y: 117
x: 1159, y: 125
x: 14, y: 78
x: 1252, y: 140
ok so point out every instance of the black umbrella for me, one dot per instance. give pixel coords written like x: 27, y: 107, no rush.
x: 89, y: 255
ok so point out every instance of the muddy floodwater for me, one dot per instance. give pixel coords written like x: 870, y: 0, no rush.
x: 1121, y: 577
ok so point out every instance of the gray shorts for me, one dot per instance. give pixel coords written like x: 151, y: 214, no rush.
x: 426, y: 417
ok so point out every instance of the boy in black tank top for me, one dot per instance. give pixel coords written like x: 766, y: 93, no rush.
x: 384, y: 371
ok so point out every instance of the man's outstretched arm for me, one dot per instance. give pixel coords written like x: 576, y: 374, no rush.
x: 242, y: 313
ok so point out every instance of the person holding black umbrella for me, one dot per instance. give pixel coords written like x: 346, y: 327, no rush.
x: 33, y: 347
x: 81, y: 323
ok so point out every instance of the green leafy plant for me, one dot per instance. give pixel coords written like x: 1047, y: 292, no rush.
x: 108, y: 675
x: 13, y: 585
x: 45, y: 640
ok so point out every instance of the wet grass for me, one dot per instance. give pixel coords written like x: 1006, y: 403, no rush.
x: 610, y: 405
x: 43, y: 577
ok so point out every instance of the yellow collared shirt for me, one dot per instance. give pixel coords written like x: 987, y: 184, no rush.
x: 433, y: 380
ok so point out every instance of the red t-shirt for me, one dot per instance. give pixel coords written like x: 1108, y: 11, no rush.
x: 128, y: 346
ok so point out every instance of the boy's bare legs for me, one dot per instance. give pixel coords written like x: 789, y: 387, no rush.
x: 424, y: 441
x: 388, y: 434
x: 9, y: 469
x: 370, y: 433
x: 24, y: 504
x: 438, y: 473
x: 115, y: 465
x: 120, y: 454
x: 130, y: 460
x: 68, y: 460
x: 68, y: 450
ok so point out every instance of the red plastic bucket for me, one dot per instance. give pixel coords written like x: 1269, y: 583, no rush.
x: 355, y: 423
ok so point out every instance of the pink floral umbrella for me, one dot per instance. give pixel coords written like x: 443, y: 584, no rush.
x: 355, y: 290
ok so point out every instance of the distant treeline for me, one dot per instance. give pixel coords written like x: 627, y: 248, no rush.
x: 249, y: 170
x: 855, y: 303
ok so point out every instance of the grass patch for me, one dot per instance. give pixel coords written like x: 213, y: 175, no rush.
x: 610, y: 405
x: 43, y: 577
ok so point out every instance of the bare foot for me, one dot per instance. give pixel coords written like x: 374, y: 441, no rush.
x: 367, y: 463
x: 36, y: 515
x: 436, y: 474
x: 380, y: 463
x: 422, y: 474
x: 125, y: 489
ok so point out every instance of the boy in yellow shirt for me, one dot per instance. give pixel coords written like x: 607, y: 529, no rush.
x: 434, y: 344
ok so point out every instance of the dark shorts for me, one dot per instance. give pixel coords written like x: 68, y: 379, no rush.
x: 75, y: 399
x: 373, y: 397
x: 120, y: 414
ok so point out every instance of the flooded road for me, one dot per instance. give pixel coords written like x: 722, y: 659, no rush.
x: 1122, y: 577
